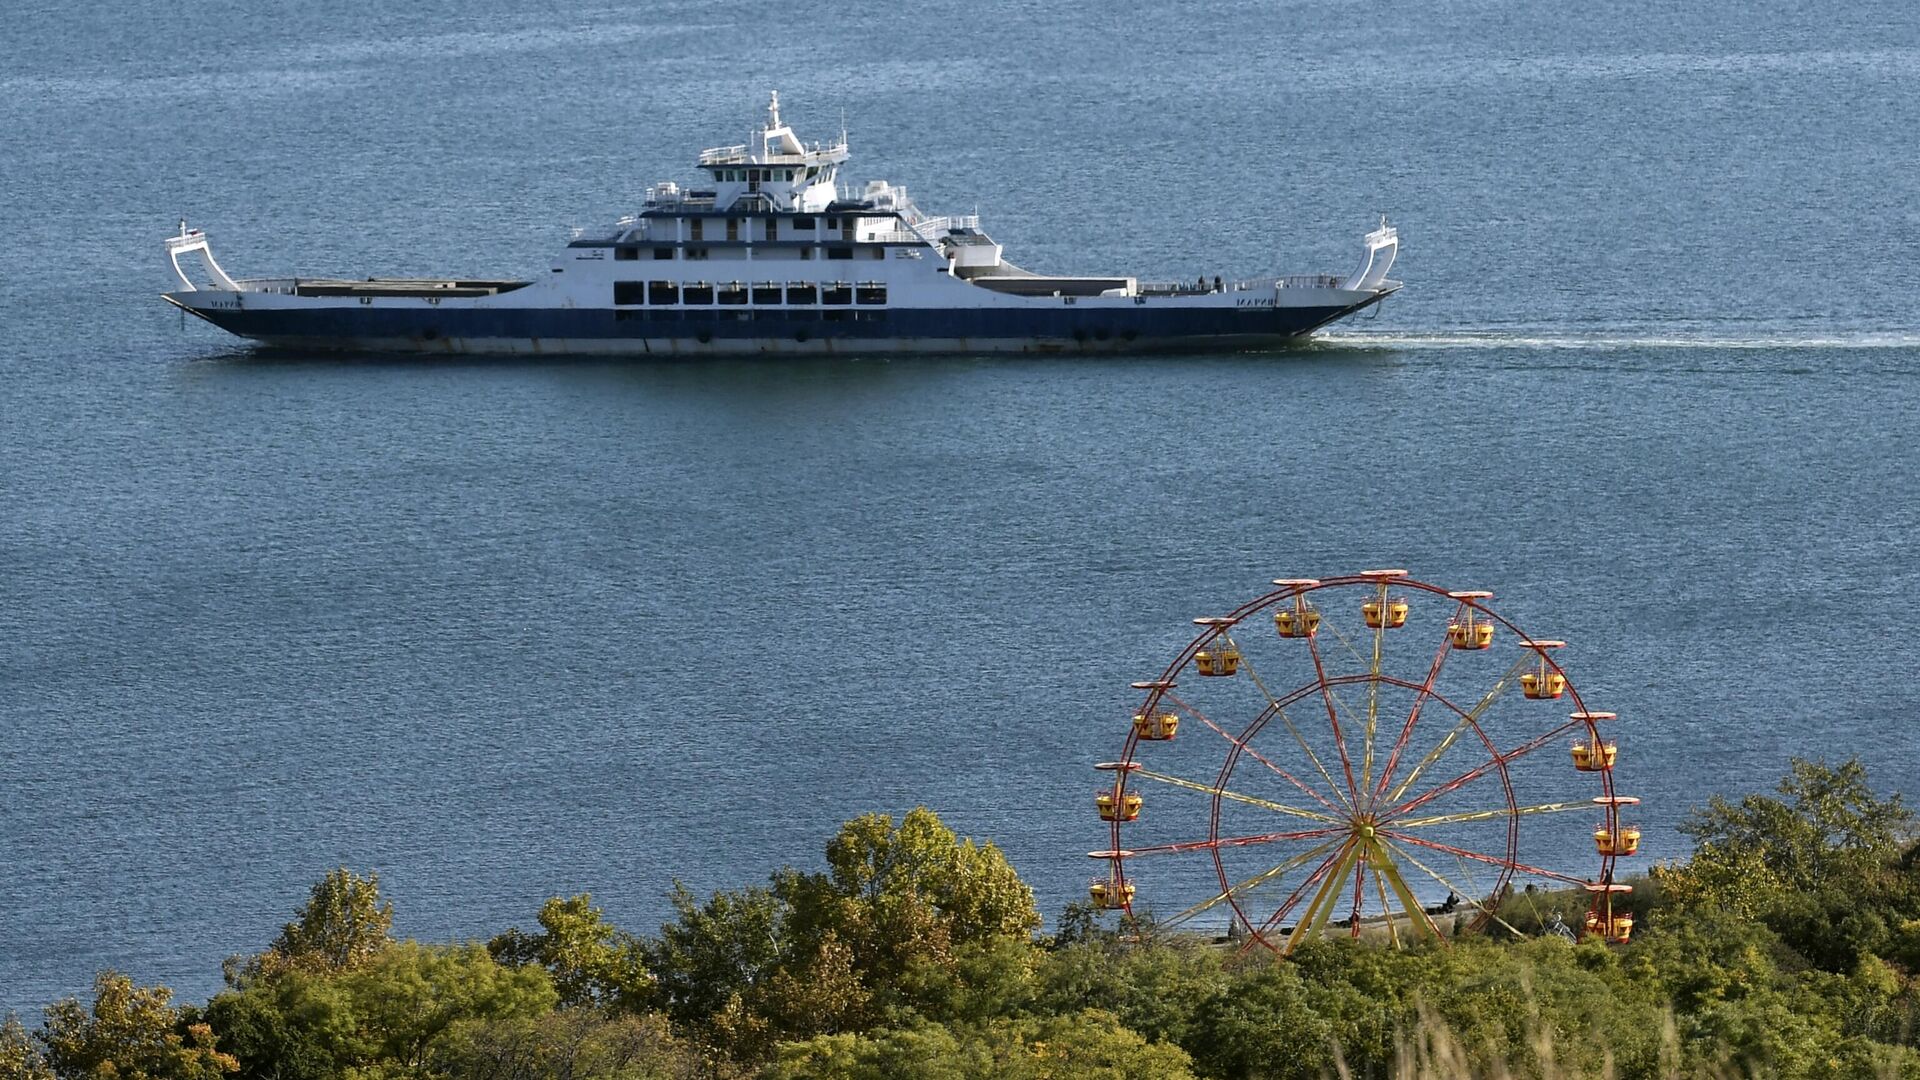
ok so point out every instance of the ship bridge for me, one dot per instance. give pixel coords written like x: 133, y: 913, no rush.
x: 772, y: 171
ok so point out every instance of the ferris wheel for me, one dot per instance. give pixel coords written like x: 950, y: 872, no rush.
x: 1364, y: 755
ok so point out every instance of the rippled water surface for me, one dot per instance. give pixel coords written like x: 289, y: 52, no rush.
x: 502, y: 630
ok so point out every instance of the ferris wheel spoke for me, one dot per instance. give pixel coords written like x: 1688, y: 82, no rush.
x: 1300, y: 740
x: 1254, y: 882
x: 1333, y: 717
x: 1237, y: 841
x: 1485, y: 815
x: 1248, y: 749
x: 1490, y: 860
x: 1478, y: 771
x: 1346, y: 642
x: 1413, y: 718
x: 1250, y: 800
x: 1450, y: 887
x: 1372, y: 678
x: 1373, y: 702
x: 1460, y: 728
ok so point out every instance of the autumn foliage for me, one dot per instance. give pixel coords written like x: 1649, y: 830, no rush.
x: 1787, y: 946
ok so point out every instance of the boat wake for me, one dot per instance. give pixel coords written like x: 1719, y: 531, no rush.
x: 1607, y: 341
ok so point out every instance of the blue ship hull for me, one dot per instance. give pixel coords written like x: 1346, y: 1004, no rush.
x: 750, y: 330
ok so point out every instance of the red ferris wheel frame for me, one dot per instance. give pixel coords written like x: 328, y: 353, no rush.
x: 1356, y: 832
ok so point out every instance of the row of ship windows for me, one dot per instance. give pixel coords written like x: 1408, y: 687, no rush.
x: 629, y: 254
x: 740, y: 176
x: 768, y: 228
x: 787, y: 315
x: 832, y: 293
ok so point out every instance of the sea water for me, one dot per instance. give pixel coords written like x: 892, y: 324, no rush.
x: 506, y: 630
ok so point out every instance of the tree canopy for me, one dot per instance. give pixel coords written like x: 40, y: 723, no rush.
x: 1830, y: 866
x: 1788, y: 947
x: 129, y: 1033
x: 343, y: 924
x: 591, y: 961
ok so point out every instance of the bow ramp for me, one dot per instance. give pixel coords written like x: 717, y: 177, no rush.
x: 1383, y: 244
x: 194, y: 242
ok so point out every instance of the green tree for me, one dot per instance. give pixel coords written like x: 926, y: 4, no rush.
x: 1094, y: 1045
x: 975, y: 982
x: 1265, y: 1025
x: 570, y: 1044
x: 591, y: 961
x: 1155, y: 982
x: 298, y: 1026
x: 1823, y: 866
x: 130, y: 1033
x: 1830, y: 827
x: 714, y: 951
x: 906, y: 915
x: 730, y: 971
x: 897, y: 894
x: 20, y: 1059
x: 1089, y: 1045
x: 392, y: 1013
x: 411, y: 994
x: 343, y: 924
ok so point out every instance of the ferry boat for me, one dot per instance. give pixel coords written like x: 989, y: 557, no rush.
x: 769, y: 253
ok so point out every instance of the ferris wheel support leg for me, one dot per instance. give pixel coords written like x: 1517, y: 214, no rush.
x: 1416, y: 914
x: 1314, y: 919
x: 1386, y: 908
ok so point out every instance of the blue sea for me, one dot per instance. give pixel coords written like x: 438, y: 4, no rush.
x: 506, y: 630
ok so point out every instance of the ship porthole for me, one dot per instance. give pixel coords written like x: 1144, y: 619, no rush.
x: 429, y: 334
x: 704, y: 336
x: 1079, y: 334
x: 1102, y: 334
x: 800, y: 335
x: 1129, y: 335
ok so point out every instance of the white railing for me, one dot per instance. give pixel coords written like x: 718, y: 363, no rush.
x: 1262, y: 284
x: 285, y: 286
x: 684, y: 198
x: 948, y: 223
x: 743, y: 155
